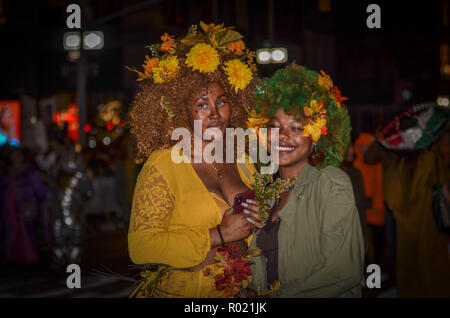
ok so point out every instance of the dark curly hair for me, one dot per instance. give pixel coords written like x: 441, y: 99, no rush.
x: 150, y: 124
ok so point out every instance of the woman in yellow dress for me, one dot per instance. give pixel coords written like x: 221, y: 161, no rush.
x: 181, y: 212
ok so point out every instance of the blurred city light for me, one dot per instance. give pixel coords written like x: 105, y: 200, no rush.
x: 407, y: 94
x: 68, y: 220
x: 3, y: 139
x: 73, y: 56
x: 263, y: 56
x: 92, y: 143
x: 14, y: 143
x: 279, y: 55
x: 93, y: 40
x: 443, y: 101
x: 72, y: 41
x: 106, y: 141
x: 276, y: 55
x: 87, y: 128
x: 445, y: 70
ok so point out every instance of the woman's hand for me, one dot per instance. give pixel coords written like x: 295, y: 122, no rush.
x: 210, y: 257
x: 235, y: 227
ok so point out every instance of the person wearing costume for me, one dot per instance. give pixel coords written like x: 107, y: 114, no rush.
x: 181, y: 212
x: 312, y: 243
x: 411, y: 167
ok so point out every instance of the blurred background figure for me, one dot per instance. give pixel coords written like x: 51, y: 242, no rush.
x: 414, y: 163
x: 24, y: 208
x: 372, y: 176
x: 362, y: 201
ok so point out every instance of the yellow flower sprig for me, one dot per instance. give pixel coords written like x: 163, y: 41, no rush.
x: 165, y: 105
x: 266, y: 190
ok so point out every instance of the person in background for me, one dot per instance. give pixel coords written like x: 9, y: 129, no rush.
x: 23, y: 199
x: 362, y: 202
x: 422, y: 258
x: 392, y: 190
x: 373, y: 186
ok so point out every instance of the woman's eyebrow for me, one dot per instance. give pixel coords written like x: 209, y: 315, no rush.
x: 202, y: 97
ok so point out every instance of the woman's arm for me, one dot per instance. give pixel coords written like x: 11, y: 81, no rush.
x: 149, y: 237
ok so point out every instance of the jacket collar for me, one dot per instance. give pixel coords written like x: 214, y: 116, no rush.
x: 306, y: 176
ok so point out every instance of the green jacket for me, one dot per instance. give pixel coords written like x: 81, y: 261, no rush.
x: 320, y: 242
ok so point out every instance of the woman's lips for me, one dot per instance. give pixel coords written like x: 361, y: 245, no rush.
x: 216, y: 125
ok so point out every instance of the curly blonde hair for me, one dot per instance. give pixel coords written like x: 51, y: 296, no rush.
x: 151, y: 125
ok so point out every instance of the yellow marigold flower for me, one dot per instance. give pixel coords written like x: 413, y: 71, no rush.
x: 168, y: 44
x: 237, y: 47
x: 203, y: 57
x: 166, y: 70
x: 325, y: 80
x: 239, y: 75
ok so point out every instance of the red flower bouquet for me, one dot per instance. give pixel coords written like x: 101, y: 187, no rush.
x: 231, y: 270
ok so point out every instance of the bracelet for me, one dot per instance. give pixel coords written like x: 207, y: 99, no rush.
x: 220, y: 234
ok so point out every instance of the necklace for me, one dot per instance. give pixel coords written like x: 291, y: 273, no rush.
x: 219, y: 174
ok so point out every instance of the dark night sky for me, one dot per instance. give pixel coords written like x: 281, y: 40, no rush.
x: 366, y: 63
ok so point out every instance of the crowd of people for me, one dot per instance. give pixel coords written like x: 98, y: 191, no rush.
x: 46, y: 197
x: 395, y: 190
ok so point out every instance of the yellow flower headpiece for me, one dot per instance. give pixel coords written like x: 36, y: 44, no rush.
x: 205, y: 53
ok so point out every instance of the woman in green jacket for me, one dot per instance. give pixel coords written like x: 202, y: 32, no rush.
x: 312, y: 243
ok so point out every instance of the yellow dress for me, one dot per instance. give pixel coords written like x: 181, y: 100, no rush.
x: 172, y: 212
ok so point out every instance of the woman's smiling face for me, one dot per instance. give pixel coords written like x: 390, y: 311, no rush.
x: 294, y: 148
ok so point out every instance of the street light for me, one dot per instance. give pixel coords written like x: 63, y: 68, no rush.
x: 72, y: 41
x: 93, y: 40
x: 263, y: 56
x: 279, y: 55
x: 275, y: 55
x: 443, y: 101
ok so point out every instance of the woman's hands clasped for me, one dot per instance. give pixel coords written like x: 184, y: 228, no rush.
x: 236, y: 227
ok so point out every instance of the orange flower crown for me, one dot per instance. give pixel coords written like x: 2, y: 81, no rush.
x: 205, y: 55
